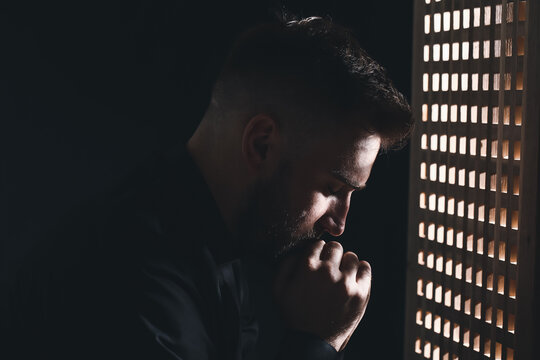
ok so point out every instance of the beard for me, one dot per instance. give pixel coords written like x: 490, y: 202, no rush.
x: 270, y: 228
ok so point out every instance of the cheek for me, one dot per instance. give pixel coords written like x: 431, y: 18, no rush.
x: 314, y: 208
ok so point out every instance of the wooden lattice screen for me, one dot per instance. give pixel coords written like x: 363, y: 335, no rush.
x: 472, y: 276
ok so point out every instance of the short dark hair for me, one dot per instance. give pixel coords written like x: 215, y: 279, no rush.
x: 323, y: 62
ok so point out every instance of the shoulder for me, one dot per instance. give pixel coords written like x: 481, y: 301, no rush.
x: 120, y: 269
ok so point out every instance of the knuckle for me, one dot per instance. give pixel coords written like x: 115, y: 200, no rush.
x: 350, y: 260
x: 333, y: 245
x: 347, y: 288
x: 351, y: 256
x: 325, y: 267
x: 364, y: 268
x: 312, y: 264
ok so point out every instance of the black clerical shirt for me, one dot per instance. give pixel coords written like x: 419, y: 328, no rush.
x: 147, y: 272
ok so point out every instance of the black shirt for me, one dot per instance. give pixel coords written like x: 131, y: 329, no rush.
x: 147, y: 272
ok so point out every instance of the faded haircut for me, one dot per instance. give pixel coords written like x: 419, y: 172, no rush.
x: 310, y: 71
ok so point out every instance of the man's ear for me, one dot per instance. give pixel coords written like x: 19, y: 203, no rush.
x: 260, y: 142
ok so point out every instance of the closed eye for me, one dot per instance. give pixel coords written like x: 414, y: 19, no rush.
x: 333, y: 190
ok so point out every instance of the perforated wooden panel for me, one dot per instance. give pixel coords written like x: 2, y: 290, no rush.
x: 467, y: 179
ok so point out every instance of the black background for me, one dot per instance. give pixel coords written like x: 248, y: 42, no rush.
x: 91, y: 89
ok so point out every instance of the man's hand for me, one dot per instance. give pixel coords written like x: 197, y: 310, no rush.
x: 323, y: 291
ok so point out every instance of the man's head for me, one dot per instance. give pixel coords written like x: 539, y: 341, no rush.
x: 297, y: 117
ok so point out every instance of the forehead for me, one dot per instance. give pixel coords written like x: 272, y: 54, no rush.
x: 353, y: 154
x: 346, y: 153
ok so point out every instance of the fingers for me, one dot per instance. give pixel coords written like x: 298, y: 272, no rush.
x: 363, y: 278
x: 332, y: 252
x: 349, y: 264
x: 364, y: 271
x: 314, y: 253
x: 289, y: 265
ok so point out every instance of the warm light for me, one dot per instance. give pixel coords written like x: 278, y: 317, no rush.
x: 487, y: 347
x: 446, y: 21
x: 446, y: 52
x: 433, y: 172
x: 498, y: 14
x: 429, y: 263
x: 418, y: 346
x: 465, y: 50
x: 476, y: 343
x: 498, y: 351
x: 472, y: 174
x: 485, y: 82
x: 435, y: 78
x: 431, y: 232
x: 455, y: 51
x: 517, y: 150
x: 458, y: 271
x: 466, y: 18
x: 438, y: 294
x: 474, y: 114
x: 486, y: 49
x: 419, y: 317
x: 474, y: 82
x: 512, y: 288
x: 497, y: 48
x: 433, y: 142
x: 459, y: 240
x: 436, y: 52
x: 464, y: 82
x: 476, y: 17
x: 467, y: 307
x: 432, y: 202
x: 456, y: 14
x: 499, y: 318
x: 439, y: 268
x: 456, y: 333
x: 444, y: 80
x: 480, y: 246
x: 449, y: 266
x: 437, y: 22
x: 466, y: 340
x: 448, y: 297
x: 487, y: 15
x: 451, y: 202
x: 453, y: 144
x: 478, y: 310
x: 435, y: 112
x: 437, y: 324
x: 442, y: 168
x: 444, y: 113
x: 446, y: 328
x: 455, y: 82
x: 427, y: 320
x: 476, y: 50
x: 427, y: 349
x: 508, y: 47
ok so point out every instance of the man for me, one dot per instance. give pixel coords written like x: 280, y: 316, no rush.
x: 164, y: 270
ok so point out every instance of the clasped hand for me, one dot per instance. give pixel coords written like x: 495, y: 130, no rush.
x: 323, y: 291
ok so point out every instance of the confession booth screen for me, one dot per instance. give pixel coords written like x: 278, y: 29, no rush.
x: 474, y: 180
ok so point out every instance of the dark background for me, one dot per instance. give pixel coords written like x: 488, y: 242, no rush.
x: 89, y: 90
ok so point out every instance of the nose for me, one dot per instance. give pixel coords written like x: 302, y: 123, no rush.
x: 336, y: 216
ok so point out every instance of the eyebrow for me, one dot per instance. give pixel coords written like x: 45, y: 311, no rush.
x: 347, y: 181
